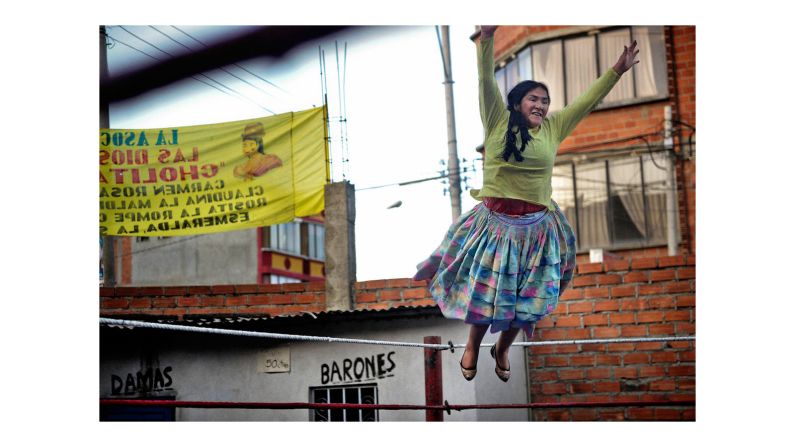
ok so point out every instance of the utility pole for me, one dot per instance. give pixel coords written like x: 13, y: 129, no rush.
x: 670, y: 191
x: 108, y: 252
x: 452, y: 148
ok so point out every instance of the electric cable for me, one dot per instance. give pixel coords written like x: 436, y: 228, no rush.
x: 236, y: 64
x: 240, y: 95
x: 116, y: 40
x: 220, y: 68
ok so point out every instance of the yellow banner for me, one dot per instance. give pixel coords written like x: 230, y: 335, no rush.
x: 212, y: 178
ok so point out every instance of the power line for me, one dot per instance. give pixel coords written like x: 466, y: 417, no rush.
x: 240, y: 95
x: 236, y: 65
x: 163, y: 245
x: 427, y: 179
x: 643, y: 137
x: 161, y: 60
x: 116, y: 40
x: 206, y: 76
x: 220, y: 68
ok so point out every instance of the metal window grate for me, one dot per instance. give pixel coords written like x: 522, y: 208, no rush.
x: 365, y: 394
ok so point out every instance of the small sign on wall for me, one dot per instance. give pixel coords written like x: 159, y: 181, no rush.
x: 274, y: 360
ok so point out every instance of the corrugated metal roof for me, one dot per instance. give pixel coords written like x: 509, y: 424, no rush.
x: 298, y: 317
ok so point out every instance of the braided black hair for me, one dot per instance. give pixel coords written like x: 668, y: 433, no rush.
x: 516, y: 120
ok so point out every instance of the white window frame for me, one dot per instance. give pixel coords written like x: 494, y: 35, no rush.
x: 570, y: 190
x: 291, y: 233
x: 316, y: 239
x: 279, y: 279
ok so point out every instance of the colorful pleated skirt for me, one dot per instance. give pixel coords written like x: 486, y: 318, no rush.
x: 501, y: 270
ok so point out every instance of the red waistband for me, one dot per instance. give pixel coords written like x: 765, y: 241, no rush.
x: 513, y: 207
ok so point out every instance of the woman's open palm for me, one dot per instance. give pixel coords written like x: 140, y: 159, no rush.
x: 627, y: 58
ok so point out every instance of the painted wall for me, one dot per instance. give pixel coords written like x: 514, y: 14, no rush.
x: 221, y: 258
x: 204, y: 367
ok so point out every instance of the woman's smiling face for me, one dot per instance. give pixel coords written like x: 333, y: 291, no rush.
x: 534, y: 106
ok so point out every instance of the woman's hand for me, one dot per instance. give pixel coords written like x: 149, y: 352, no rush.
x: 487, y: 31
x: 627, y: 58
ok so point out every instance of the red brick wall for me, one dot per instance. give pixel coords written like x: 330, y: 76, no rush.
x: 652, y: 297
x: 507, y: 36
x: 179, y: 302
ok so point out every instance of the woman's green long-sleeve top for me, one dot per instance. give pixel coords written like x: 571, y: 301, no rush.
x: 531, y: 179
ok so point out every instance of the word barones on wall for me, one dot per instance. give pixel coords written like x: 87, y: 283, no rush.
x: 356, y: 370
x: 212, y: 178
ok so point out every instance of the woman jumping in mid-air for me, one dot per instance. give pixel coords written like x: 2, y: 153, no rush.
x: 505, y: 263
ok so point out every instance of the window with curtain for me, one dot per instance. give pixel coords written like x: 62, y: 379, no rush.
x: 511, y: 76
x: 569, y: 65
x: 611, y: 44
x: 614, y: 203
x: 500, y: 77
x: 548, y: 69
x: 316, y: 235
x: 579, y: 54
x: 286, y: 237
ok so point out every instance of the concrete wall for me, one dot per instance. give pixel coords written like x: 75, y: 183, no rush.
x: 221, y: 258
x: 340, y: 245
x: 205, y: 367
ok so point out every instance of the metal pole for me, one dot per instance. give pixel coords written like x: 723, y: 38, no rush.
x: 670, y: 190
x: 433, y: 380
x: 452, y: 148
x: 108, y: 242
x: 391, y: 407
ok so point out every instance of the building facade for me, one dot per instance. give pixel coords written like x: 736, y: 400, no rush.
x: 161, y: 364
x: 625, y: 178
x: 288, y: 252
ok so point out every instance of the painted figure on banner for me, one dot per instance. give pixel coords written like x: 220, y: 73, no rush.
x: 258, y: 162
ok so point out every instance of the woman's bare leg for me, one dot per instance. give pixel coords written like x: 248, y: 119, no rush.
x: 476, y: 333
x: 504, y: 345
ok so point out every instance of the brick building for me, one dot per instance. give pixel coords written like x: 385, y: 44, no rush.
x: 612, y: 180
x: 612, y: 173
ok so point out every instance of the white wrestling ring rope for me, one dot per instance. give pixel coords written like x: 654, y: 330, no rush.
x: 449, y: 345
